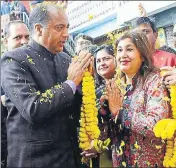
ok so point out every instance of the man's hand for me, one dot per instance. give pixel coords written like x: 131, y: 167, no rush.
x: 142, y: 10
x: 90, y: 153
x: 169, y: 77
x: 78, y: 66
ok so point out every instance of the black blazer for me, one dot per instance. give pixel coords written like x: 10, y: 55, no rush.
x: 41, y: 123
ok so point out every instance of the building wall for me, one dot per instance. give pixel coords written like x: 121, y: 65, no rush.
x: 85, y: 15
x: 169, y: 35
x: 166, y: 20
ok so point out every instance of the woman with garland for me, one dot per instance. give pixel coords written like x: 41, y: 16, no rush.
x: 143, y: 105
x: 105, y: 65
x: 134, y: 143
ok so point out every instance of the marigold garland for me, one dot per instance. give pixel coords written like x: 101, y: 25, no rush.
x: 166, y: 129
x: 89, y: 131
x: 119, y: 82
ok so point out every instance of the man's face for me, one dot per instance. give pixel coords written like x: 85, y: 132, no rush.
x: 54, y: 36
x: 18, y: 36
x: 146, y: 28
x: 81, y: 43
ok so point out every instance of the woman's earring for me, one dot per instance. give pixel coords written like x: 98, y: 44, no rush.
x: 145, y: 66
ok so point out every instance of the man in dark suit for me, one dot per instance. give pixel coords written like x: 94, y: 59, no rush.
x: 16, y: 34
x: 41, y: 96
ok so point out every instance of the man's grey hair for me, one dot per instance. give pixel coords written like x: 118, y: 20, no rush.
x: 40, y: 15
x: 83, y: 36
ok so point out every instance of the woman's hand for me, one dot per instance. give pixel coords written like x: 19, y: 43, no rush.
x: 113, y: 97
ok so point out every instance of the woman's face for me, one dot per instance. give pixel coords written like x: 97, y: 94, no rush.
x: 128, y: 57
x: 105, y: 64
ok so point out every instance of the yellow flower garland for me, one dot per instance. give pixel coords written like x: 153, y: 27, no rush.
x: 166, y: 129
x: 89, y: 131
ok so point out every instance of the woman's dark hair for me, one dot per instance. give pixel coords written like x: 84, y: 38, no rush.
x: 109, y: 49
x: 139, y: 39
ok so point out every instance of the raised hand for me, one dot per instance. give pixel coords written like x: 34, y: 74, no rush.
x: 142, y: 10
x: 113, y: 96
x: 78, y: 66
x: 169, y: 76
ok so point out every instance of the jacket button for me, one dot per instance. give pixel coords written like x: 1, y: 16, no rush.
x: 70, y: 117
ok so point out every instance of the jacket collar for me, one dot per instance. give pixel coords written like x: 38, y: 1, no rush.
x: 42, y: 50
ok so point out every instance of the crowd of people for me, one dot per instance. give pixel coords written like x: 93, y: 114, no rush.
x: 41, y: 94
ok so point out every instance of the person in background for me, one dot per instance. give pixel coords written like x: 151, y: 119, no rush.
x: 160, y: 58
x: 16, y: 34
x: 105, y: 66
x: 143, y: 13
x: 41, y: 96
x: 82, y: 41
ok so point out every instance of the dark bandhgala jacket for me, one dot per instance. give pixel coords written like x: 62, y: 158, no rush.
x: 43, y: 112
